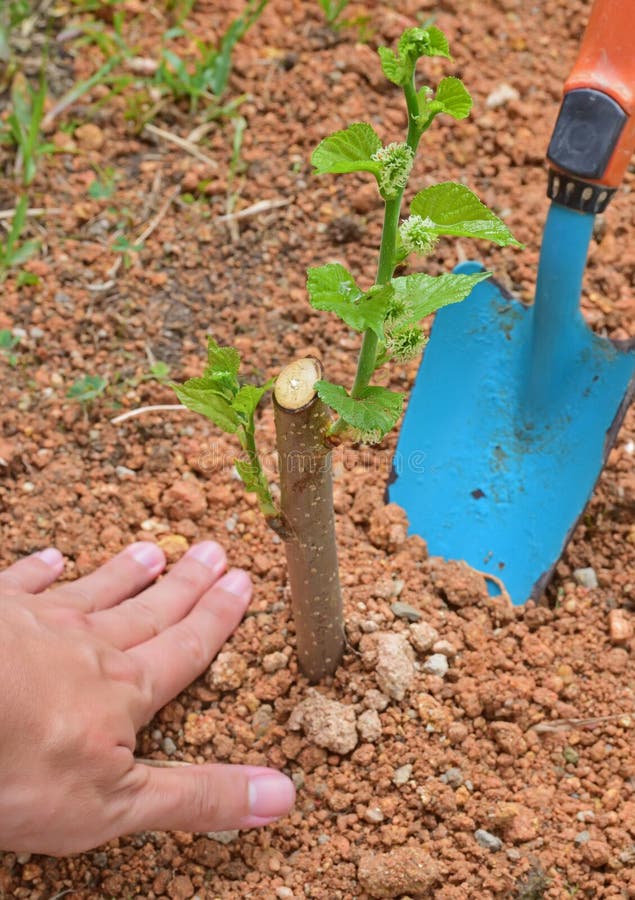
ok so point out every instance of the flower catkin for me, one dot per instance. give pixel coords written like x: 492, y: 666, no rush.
x: 416, y: 235
x: 396, y: 162
x: 405, y: 343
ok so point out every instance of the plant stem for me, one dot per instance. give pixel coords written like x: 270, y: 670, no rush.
x: 265, y: 500
x: 306, y: 488
x: 367, y: 360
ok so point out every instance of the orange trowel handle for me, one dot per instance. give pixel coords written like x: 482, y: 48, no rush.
x: 594, y: 136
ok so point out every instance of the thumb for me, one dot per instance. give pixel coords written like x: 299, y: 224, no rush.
x: 207, y: 798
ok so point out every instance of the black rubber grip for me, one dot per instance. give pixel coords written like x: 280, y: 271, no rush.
x: 577, y: 194
x: 587, y: 130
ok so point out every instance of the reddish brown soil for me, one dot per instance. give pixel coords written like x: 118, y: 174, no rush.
x: 558, y: 801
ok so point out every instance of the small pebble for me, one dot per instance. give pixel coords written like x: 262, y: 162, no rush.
x: 437, y: 664
x: 571, y: 755
x: 405, y: 611
x: 586, y: 577
x: 168, y: 746
x: 445, y: 648
x: 453, y: 777
x: 284, y: 893
x: 620, y: 628
x: 422, y: 636
x: 487, y: 840
x: 124, y: 472
x: 374, y: 815
x: 402, y: 775
x: 586, y: 815
x: 582, y: 837
x: 369, y: 725
x: 374, y: 699
x: 223, y: 837
x: 501, y: 96
x: 298, y: 778
x: 275, y: 661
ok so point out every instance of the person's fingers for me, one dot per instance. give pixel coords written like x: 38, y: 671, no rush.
x: 121, y: 577
x: 178, y: 655
x: 165, y: 603
x: 206, y: 798
x: 33, y: 573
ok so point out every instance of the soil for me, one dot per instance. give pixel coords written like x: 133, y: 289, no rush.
x: 493, y: 749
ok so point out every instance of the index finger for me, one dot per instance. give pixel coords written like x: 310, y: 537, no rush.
x: 173, y: 659
x: 34, y: 573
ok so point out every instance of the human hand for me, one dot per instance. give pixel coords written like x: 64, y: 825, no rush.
x: 86, y: 664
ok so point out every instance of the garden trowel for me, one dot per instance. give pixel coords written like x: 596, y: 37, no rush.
x: 515, y: 407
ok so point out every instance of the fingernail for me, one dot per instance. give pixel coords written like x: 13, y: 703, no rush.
x: 148, y: 555
x: 238, y: 582
x: 210, y: 554
x: 270, y: 795
x: 52, y: 557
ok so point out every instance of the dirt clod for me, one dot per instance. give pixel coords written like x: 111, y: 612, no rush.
x: 325, y: 722
x: 403, y: 870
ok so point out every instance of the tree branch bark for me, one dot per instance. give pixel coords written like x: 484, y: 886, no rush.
x: 307, y: 505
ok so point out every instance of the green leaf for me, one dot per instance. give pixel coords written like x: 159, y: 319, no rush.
x: 419, y: 295
x: 25, y: 251
x: 454, y: 97
x: 201, y: 396
x: 330, y: 285
x: 221, y: 360
x: 17, y: 225
x: 7, y: 340
x: 350, y: 150
x: 248, y: 398
x: 253, y: 478
x: 451, y: 208
x: 438, y: 43
x: 87, y: 388
x: 26, y: 279
x: 392, y: 66
x: 413, y: 44
x: 332, y: 288
x: 100, y: 190
x: 417, y: 42
x: 375, y: 413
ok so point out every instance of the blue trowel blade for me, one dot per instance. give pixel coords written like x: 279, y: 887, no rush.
x: 511, y: 418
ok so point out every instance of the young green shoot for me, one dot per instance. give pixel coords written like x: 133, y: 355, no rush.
x: 24, y: 126
x: 8, y: 343
x: 387, y: 315
x: 13, y: 252
x: 332, y: 10
x: 208, y: 77
x: 87, y: 389
x: 334, y: 14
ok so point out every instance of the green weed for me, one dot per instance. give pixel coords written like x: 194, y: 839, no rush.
x: 24, y: 126
x: 103, y: 187
x: 8, y: 343
x: 12, y: 14
x: 208, y: 76
x: 333, y: 13
x: 14, y: 253
x: 332, y: 10
x: 87, y: 389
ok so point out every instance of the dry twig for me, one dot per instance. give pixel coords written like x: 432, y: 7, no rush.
x: 183, y: 143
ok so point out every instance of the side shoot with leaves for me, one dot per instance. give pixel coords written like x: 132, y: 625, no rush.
x: 387, y: 315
